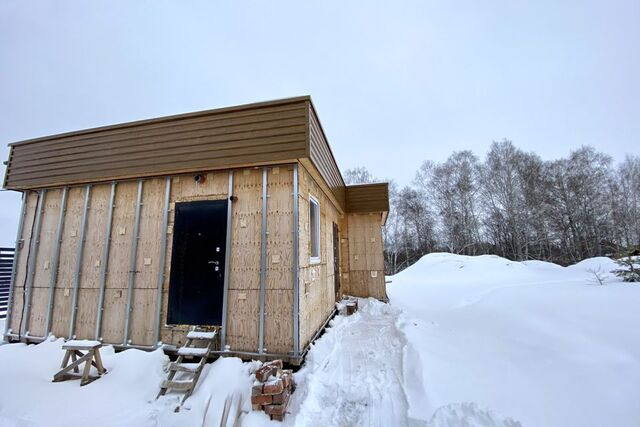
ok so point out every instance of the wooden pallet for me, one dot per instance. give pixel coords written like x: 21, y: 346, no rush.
x: 188, y: 351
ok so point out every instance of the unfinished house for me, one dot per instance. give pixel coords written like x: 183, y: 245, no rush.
x: 235, y: 218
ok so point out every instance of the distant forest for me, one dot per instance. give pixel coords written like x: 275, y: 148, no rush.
x: 513, y: 204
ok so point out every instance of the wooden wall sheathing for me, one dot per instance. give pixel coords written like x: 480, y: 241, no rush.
x: 244, y: 282
x: 278, y: 327
x: 366, y: 263
x: 43, y: 271
x: 317, y: 285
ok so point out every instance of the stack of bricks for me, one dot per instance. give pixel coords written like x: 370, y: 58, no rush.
x: 272, y: 390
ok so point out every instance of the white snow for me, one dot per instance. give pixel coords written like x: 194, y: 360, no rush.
x: 201, y: 335
x: 81, y: 343
x: 537, y: 342
x: 465, y: 342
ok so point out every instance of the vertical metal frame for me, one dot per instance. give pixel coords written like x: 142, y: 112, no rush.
x: 263, y: 261
x: 34, y: 243
x: 18, y: 250
x: 295, y: 268
x: 163, y: 257
x: 132, y: 263
x: 78, y: 269
x: 104, y: 262
x: 55, y: 259
x: 227, y: 262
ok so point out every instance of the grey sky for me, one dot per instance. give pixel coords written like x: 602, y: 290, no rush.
x: 395, y: 83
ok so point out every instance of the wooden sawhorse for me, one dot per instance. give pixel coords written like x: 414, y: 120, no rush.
x: 74, y: 351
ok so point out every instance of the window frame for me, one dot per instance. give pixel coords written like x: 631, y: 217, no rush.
x: 314, y: 259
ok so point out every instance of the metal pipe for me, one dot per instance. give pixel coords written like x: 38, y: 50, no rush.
x: 227, y: 261
x: 163, y: 257
x: 263, y: 262
x: 34, y: 244
x: 55, y: 259
x: 16, y: 257
x: 104, y: 263
x: 296, y: 265
x: 78, y: 270
x: 132, y: 263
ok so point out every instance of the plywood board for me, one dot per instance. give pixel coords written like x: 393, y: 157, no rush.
x: 148, y: 254
x: 246, y: 230
x: 121, y: 235
x: 143, y: 317
x: 242, y: 323
x: 48, y: 229
x: 20, y: 279
x: 279, y: 228
x: 115, y: 302
x: 94, y: 236
x: 61, y: 312
x: 86, y: 316
x: 37, y: 317
x: 278, y: 328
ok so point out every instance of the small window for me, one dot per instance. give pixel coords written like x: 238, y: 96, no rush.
x: 314, y: 228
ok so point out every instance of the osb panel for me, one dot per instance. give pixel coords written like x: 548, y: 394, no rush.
x: 246, y: 230
x: 242, y: 323
x: 143, y: 317
x: 115, y: 302
x: 20, y: 282
x: 49, y: 227
x: 121, y: 235
x: 86, y: 316
x: 279, y: 228
x: 278, y: 326
x: 150, y: 233
x: 94, y: 237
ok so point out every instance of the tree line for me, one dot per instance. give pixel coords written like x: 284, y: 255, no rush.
x: 513, y: 204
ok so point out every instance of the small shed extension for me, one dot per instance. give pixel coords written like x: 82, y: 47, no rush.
x: 236, y: 218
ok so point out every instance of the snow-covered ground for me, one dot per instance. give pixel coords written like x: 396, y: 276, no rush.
x: 465, y: 342
x: 537, y: 342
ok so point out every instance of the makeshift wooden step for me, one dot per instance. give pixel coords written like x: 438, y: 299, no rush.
x: 73, y: 350
x: 191, y: 371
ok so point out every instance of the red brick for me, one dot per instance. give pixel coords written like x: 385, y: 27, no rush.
x: 274, y: 409
x: 287, y: 379
x: 273, y: 387
x: 282, y: 398
x: 256, y: 407
x: 256, y: 390
x: 261, y: 399
x: 276, y: 363
x: 265, y: 372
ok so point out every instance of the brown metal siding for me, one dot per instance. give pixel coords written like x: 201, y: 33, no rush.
x: 322, y: 157
x: 368, y: 198
x: 258, y: 133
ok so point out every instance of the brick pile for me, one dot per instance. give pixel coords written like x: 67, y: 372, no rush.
x: 272, y: 389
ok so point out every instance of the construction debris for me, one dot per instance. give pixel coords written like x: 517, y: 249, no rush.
x: 272, y: 389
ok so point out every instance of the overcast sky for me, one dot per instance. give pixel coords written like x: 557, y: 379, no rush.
x: 394, y: 83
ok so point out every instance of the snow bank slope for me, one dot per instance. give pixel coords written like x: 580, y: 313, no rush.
x: 532, y: 340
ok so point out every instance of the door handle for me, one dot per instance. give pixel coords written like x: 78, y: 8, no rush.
x: 214, y: 262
